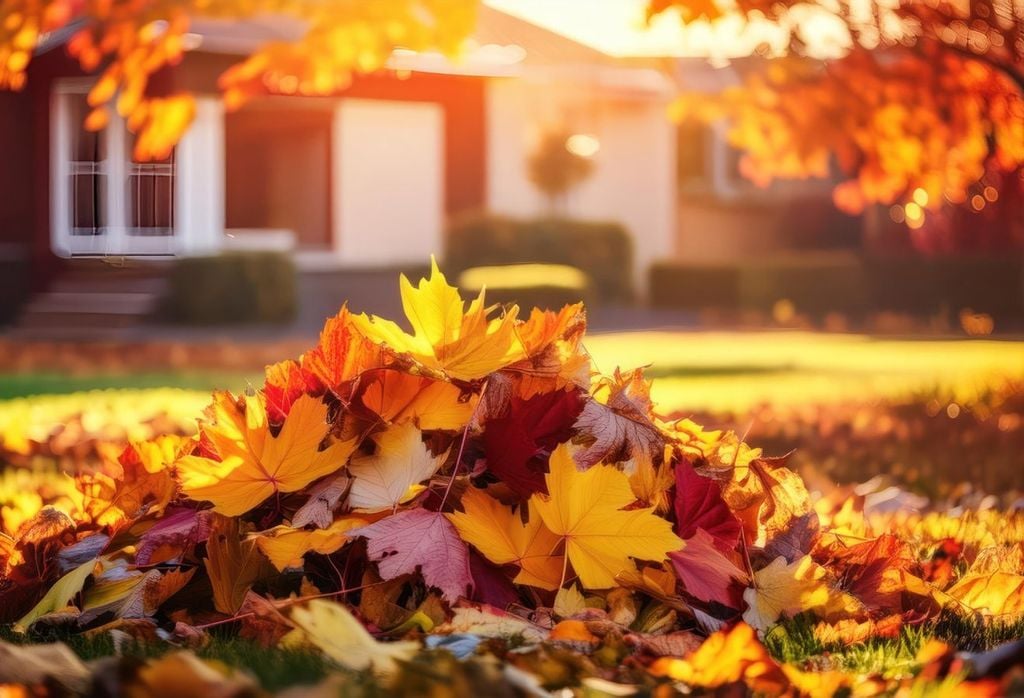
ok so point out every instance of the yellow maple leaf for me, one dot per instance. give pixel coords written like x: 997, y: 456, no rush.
x: 393, y: 474
x: 331, y: 628
x: 232, y: 564
x: 725, y: 658
x: 586, y: 509
x: 784, y: 588
x: 462, y: 344
x: 996, y: 594
x: 650, y: 484
x: 137, y: 480
x: 499, y: 533
x: 285, y: 546
x: 255, y: 465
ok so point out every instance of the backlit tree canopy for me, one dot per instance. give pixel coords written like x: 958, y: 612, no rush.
x: 919, y: 102
x: 128, y: 41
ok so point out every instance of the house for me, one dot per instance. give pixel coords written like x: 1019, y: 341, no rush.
x: 363, y: 179
x: 723, y: 216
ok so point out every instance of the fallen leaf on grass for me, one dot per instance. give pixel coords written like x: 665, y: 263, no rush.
x: 784, y: 588
x: 185, y: 674
x: 331, y: 628
x: 996, y: 594
x: 58, y: 596
x: 725, y: 658
x: 31, y: 665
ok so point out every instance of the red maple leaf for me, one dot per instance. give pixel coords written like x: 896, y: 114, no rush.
x: 699, y: 505
x: 706, y: 573
x: 517, y: 445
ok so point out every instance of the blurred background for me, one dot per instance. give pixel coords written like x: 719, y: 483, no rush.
x: 155, y: 246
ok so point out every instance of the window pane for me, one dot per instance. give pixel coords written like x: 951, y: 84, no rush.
x: 150, y: 193
x: 86, y: 146
x: 86, y: 212
x: 150, y: 201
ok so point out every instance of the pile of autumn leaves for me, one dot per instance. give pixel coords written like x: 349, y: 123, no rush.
x: 475, y: 476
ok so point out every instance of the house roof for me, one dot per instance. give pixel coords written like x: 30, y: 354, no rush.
x: 501, y: 46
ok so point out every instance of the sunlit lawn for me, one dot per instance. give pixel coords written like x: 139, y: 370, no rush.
x: 702, y: 370
x: 735, y: 370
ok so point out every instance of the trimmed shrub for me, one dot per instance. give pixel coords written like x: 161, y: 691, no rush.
x: 993, y: 285
x: 602, y: 251
x: 815, y: 283
x: 233, y: 287
x: 528, y: 285
x: 694, y: 286
x: 818, y: 283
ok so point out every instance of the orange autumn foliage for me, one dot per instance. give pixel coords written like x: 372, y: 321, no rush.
x: 128, y: 42
x: 923, y: 97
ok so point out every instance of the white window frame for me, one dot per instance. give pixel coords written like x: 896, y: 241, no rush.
x: 115, y: 237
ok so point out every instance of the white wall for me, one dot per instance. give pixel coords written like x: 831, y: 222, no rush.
x: 634, y: 179
x: 388, y: 181
x: 199, y: 191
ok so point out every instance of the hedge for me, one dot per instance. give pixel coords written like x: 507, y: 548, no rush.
x: 602, y: 251
x: 843, y: 282
x: 232, y: 287
x: 993, y: 285
x: 529, y: 286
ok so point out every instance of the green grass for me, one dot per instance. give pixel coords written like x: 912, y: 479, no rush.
x: 28, y: 384
x: 274, y: 667
x: 793, y: 642
x: 968, y: 635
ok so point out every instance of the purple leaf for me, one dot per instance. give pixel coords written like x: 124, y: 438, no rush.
x: 420, y: 540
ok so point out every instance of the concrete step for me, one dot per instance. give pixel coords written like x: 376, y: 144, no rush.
x: 70, y: 303
x: 94, y: 298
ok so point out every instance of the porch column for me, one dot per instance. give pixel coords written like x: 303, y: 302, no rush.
x: 199, y: 186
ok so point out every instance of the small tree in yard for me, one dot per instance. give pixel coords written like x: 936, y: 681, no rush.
x: 555, y: 169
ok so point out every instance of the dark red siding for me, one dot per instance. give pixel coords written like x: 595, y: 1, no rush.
x: 16, y: 137
x: 43, y: 71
